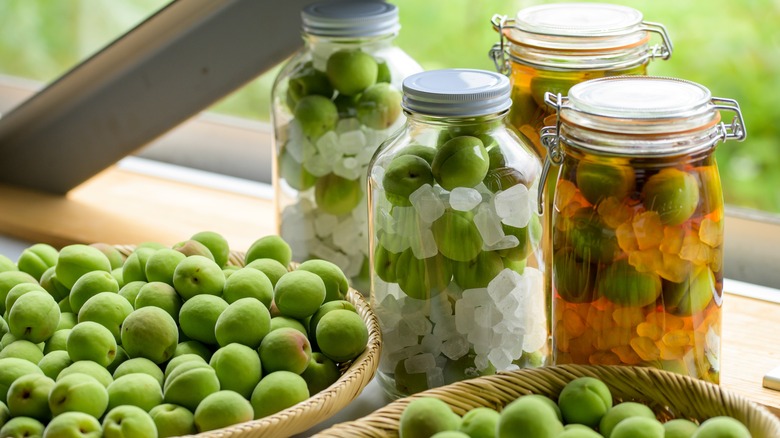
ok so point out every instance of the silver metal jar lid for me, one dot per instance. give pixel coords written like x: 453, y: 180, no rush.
x: 456, y: 93
x: 350, y: 19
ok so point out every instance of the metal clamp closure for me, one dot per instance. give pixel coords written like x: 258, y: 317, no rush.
x: 736, y: 130
x: 664, y: 50
x: 499, y: 53
x: 550, y: 139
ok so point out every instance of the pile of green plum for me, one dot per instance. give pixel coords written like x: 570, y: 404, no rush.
x: 584, y: 410
x: 169, y: 340
x: 336, y: 114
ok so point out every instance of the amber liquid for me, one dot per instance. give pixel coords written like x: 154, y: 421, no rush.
x: 637, y: 272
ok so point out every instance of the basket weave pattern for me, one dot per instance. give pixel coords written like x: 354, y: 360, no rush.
x: 669, y: 395
x: 321, y: 406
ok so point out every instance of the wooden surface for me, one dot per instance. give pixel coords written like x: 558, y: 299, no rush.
x: 120, y: 207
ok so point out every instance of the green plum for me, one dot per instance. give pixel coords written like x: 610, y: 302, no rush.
x: 592, y: 240
x: 221, y: 409
x: 22, y: 349
x: 351, y: 71
x: 336, y: 283
x: 285, y: 349
x: 404, y: 175
x: 161, y: 265
x: 624, y: 285
x: 159, y: 294
x: 425, y: 416
x: 188, y: 386
x: 150, y: 332
x: 316, y: 115
x: 673, y: 194
x: 34, y: 317
x: 91, y: 341
x: 680, y: 428
x: 278, y: 322
x: 532, y: 416
x: 341, y: 335
x: 76, y: 260
x: 722, y: 427
x: 620, y: 412
x: 478, y: 272
x: 197, y: 275
x: 22, y: 427
x: 138, y: 389
x: 73, y: 425
x: 585, y: 400
x: 573, y: 280
x: 89, y: 285
x: 172, y: 420
x: 307, y: 80
x: 19, y: 290
x: 480, y: 422
x: 248, y: 283
x: 245, y: 321
x: 198, y: 317
x: 11, y: 368
x: 93, y: 369
x: 598, y: 180
x: 193, y: 347
x: 140, y: 365
x: 7, y: 264
x: 456, y: 236
x: 78, y: 392
x: 28, y: 396
x: 272, y: 268
x: 385, y: 263
x: 379, y: 106
x: 115, y: 258
x: 8, y: 280
x: 134, y: 268
x: 427, y: 153
x: 278, y: 391
x: 691, y: 296
x: 336, y: 195
x: 293, y: 172
x: 422, y: 279
x: 130, y: 290
x: 216, y: 243
x: 269, y: 247
x: 53, y: 285
x: 192, y: 247
x: 108, y: 309
x: 320, y: 373
x: 54, y: 362
x: 128, y: 421
x: 460, y: 162
x: 638, y: 427
x: 238, y: 368
x: 36, y: 259
x: 299, y: 294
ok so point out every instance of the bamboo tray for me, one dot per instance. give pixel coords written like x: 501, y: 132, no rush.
x: 355, y: 375
x: 669, y: 395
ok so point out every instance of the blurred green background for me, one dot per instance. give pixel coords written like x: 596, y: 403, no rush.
x: 733, y: 48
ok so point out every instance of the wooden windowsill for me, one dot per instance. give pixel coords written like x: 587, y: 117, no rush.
x: 123, y: 207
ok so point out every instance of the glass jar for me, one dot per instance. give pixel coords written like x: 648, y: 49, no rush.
x: 333, y: 104
x: 637, y: 235
x: 552, y: 47
x: 456, y: 281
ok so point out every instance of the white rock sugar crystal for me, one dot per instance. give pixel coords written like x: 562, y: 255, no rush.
x: 346, y: 236
x: 513, y: 205
x: 431, y: 344
x: 464, y: 198
x: 435, y: 377
x: 319, y: 165
x: 427, y: 204
x: 420, y: 363
x: 352, y: 142
x: 455, y: 347
x: 348, y: 168
x: 424, y: 245
x: 364, y: 156
x: 506, y: 242
x: 500, y: 359
x: 324, y: 224
x: 377, y: 175
x: 504, y: 284
x: 489, y: 225
x: 347, y: 125
x: 328, y: 145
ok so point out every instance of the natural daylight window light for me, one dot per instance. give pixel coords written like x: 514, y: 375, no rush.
x: 732, y: 49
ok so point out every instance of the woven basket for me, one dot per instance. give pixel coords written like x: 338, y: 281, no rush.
x: 323, y: 405
x: 669, y: 395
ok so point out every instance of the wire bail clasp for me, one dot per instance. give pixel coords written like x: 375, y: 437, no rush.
x: 663, y: 50
x: 736, y: 130
x: 499, y: 52
x: 551, y: 139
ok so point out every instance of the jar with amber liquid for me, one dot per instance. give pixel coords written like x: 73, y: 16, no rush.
x: 637, y: 239
x: 553, y: 47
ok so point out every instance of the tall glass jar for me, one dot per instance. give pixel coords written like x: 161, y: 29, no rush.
x: 455, y: 281
x: 637, y: 270
x: 333, y: 104
x: 554, y: 46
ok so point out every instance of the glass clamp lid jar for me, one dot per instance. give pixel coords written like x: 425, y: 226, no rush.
x: 552, y: 47
x: 637, y: 238
x: 456, y: 278
x: 333, y: 104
